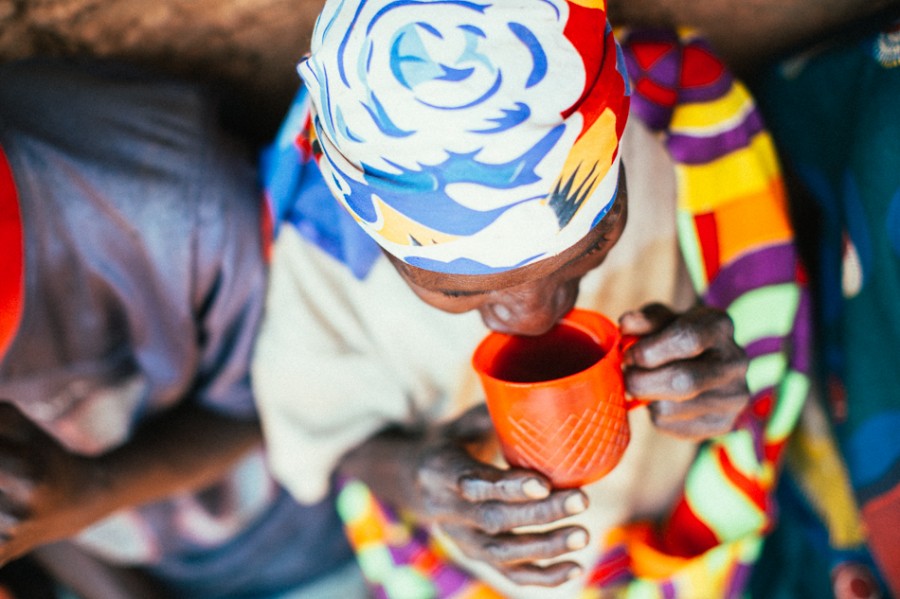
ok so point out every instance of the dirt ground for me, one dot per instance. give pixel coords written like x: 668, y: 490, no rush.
x: 248, y: 46
x: 251, y: 46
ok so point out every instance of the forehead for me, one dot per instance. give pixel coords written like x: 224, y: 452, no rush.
x: 474, y: 284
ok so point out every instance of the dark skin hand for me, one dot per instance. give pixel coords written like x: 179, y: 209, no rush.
x: 48, y: 494
x: 432, y: 476
x: 687, y: 364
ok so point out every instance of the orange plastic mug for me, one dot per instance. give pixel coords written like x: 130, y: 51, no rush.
x: 557, y: 400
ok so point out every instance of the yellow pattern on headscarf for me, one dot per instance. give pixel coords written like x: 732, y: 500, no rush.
x: 601, y: 4
x: 400, y: 229
x: 597, y: 145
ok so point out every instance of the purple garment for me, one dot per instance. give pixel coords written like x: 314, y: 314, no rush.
x: 145, y: 282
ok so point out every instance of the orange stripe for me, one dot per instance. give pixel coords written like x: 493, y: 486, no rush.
x: 12, y: 278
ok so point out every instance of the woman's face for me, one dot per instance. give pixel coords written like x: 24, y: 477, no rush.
x: 526, y: 300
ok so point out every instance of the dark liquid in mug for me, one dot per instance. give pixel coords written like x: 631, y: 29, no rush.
x: 561, y: 352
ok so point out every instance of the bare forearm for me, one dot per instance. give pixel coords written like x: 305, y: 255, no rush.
x: 746, y: 32
x: 184, y: 451
x: 62, y: 493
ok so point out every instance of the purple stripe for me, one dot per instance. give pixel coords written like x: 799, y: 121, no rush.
x: 771, y: 265
x: 449, y: 580
x: 738, y: 582
x: 379, y: 592
x: 667, y: 588
x: 655, y: 116
x: 708, y: 93
x: 766, y: 345
x: 801, y: 357
x: 689, y: 149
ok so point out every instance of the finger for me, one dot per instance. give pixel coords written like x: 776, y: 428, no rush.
x: 495, y: 517
x: 687, y: 379
x: 686, y: 337
x: 648, y: 319
x: 546, y: 576
x: 452, y: 468
x: 700, y: 428
x: 507, y: 549
x: 726, y: 403
x: 512, y: 486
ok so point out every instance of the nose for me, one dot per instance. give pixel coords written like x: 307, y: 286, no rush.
x: 528, y: 309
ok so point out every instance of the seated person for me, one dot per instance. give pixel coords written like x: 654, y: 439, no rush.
x: 485, y: 150
x: 132, y: 284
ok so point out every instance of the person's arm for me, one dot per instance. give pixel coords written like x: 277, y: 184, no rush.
x: 747, y: 32
x: 50, y: 494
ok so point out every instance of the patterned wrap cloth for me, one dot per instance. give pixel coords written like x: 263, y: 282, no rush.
x: 737, y: 242
x: 842, y: 513
x: 528, y: 100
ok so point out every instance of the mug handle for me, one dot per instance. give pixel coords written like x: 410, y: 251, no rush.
x: 624, y: 343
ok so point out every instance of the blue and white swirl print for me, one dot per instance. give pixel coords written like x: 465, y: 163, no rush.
x: 445, y: 126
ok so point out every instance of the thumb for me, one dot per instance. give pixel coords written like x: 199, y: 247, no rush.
x: 473, y: 425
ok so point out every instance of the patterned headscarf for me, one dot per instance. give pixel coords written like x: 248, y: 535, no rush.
x: 469, y: 137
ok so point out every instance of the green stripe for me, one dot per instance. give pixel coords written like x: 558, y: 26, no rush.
x: 718, y: 503
x: 765, y: 312
x: 765, y: 371
x: 792, y: 395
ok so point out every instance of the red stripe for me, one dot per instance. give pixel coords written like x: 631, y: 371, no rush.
x: 699, y: 67
x: 686, y: 535
x: 12, y: 280
x: 656, y: 93
x: 748, y: 486
x: 612, y: 568
x: 709, y: 243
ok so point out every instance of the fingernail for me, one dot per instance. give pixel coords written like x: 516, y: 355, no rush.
x: 535, y: 489
x: 575, y: 504
x: 576, y: 540
x: 574, y: 573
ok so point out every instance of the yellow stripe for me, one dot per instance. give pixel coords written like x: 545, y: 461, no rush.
x: 745, y: 172
x: 601, y: 4
x: 716, y: 116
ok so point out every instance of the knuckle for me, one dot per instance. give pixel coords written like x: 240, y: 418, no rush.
x: 685, y: 337
x: 490, y: 518
x: 498, y: 553
x: 683, y: 380
x: 725, y: 323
